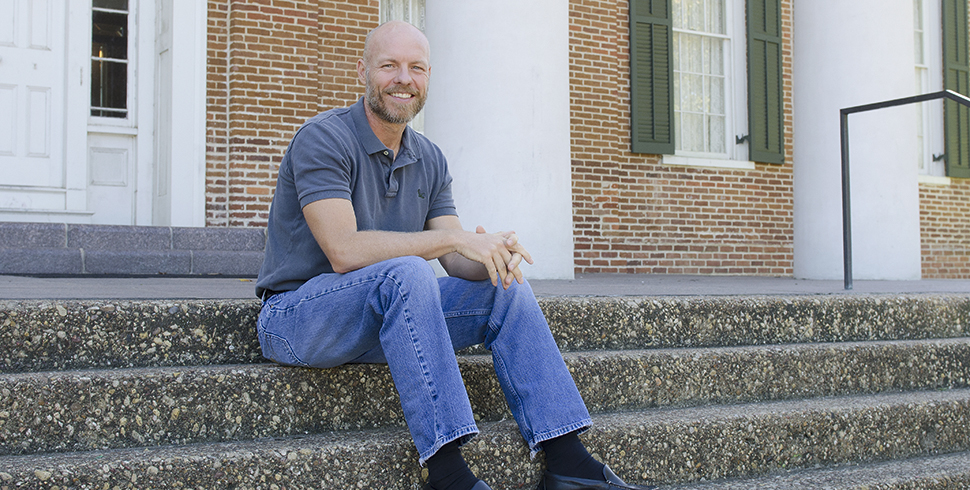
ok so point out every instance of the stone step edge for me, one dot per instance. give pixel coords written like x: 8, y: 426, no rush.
x: 70, y: 249
x: 944, y: 471
x: 78, y: 410
x: 48, y: 335
x: 667, y: 446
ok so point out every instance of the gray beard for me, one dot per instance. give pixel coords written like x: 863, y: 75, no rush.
x: 377, y: 106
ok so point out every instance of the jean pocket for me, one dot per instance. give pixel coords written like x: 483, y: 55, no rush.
x: 277, y: 349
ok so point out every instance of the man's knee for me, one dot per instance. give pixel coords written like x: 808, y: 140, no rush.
x: 411, y: 273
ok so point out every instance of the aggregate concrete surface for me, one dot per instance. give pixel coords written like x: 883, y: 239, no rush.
x: 217, y: 287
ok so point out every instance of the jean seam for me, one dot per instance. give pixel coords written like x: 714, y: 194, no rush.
x: 537, y: 439
x: 460, y: 313
x: 497, y: 356
x: 429, y: 383
x: 461, y: 432
x: 289, y: 349
x: 341, y: 287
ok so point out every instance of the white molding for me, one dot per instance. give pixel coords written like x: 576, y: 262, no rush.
x: 934, y: 180
x: 684, y: 161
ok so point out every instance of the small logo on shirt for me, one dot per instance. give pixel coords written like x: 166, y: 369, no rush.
x: 420, y: 194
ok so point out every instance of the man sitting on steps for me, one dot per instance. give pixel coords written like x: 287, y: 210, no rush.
x: 362, y: 202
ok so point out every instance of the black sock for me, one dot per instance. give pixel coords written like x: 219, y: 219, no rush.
x: 447, y: 470
x: 566, y: 456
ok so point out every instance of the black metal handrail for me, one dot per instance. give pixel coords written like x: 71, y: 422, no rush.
x: 846, y: 205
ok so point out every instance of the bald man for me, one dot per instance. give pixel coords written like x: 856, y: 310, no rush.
x: 362, y: 203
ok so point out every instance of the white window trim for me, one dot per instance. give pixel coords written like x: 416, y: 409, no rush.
x: 131, y: 118
x: 932, y: 82
x: 934, y: 180
x: 736, y: 99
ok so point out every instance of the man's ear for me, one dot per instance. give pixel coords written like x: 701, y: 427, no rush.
x: 362, y: 72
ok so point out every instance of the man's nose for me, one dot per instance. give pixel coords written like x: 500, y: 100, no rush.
x: 402, y: 76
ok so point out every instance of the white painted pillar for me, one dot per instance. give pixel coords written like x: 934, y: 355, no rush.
x: 848, y: 54
x: 180, y: 139
x: 499, y: 109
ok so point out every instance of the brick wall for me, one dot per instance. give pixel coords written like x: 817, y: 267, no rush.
x: 272, y: 64
x: 945, y: 229
x: 633, y: 214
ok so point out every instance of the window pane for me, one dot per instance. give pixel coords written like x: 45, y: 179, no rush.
x: 111, y: 4
x: 695, y: 15
x: 109, y: 87
x: 715, y: 13
x: 717, y: 95
x: 109, y: 53
x: 700, y: 103
x: 717, y: 134
x: 692, y: 132
x: 109, y: 35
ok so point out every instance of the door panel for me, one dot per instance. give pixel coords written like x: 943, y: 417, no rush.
x: 32, y: 64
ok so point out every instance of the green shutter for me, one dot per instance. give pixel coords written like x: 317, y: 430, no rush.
x: 956, y: 77
x: 766, y: 116
x: 651, y: 77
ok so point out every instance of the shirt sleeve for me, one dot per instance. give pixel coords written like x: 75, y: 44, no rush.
x: 321, y: 161
x: 442, y: 203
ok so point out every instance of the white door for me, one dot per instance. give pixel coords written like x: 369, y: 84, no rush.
x: 32, y: 88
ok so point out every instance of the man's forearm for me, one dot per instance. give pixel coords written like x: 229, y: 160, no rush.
x: 362, y: 248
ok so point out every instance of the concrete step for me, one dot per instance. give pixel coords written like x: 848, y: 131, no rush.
x: 947, y: 471
x: 68, y: 249
x: 97, y: 409
x: 661, y: 445
x: 52, y: 335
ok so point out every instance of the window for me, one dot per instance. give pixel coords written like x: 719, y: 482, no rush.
x: 701, y: 56
x: 929, y: 78
x: 109, y: 58
x: 412, y: 12
x: 706, y: 84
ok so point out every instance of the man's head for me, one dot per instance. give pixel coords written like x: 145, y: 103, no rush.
x: 396, y: 69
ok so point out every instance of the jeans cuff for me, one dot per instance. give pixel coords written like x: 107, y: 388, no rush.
x: 463, y: 435
x: 535, y: 445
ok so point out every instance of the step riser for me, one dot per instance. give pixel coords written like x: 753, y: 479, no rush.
x: 44, y: 335
x: 82, y: 410
x: 949, y: 471
x: 679, y: 446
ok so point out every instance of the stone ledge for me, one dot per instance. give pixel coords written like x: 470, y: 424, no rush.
x: 67, y: 249
x: 42, y: 335
x: 670, y: 446
x: 149, y: 407
x: 942, y: 472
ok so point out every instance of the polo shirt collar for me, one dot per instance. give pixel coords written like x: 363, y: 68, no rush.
x: 372, y: 144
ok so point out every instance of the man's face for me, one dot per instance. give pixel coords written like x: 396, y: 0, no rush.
x: 396, y: 73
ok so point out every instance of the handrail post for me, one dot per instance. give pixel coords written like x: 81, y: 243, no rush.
x: 846, y: 206
x: 844, y: 123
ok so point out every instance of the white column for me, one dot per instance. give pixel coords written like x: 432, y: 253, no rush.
x: 499, y: 109
x: 848, y: 54
x: 182, y: 122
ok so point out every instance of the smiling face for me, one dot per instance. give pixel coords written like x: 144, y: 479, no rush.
x: 396, y: 70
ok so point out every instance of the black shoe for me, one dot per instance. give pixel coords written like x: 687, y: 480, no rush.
x: 478, y: 486
x: 556, y: 482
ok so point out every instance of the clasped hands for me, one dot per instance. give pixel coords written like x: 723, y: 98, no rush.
x: 500, y: 253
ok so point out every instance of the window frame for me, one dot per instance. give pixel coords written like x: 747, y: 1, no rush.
x: 735, y: 94
x: 929, y: 76
x: 131, y: 116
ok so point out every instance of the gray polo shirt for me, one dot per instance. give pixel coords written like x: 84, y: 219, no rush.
x: 335, y: 154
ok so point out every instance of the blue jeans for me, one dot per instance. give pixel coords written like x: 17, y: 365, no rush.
x: 397, y: 312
